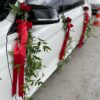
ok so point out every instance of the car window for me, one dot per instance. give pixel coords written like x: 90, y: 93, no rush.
x: 4, y: 5
x: 70, y: 4
x: 57, y: 4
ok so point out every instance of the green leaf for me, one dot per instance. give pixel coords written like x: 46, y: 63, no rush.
x: 38, y: 65
x: 44, y: 43
x: 37, y: 57
x: 0, y: 78
x: 20, y: 13
x: 41, y: 40
x: 39, y: 43
x: 30, y: 98
x: 14, y: 8
x: 40, y: 83
x: 11, y: 53
x: 46, y: 48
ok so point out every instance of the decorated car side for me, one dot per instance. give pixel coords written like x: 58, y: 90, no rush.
x: 36, y: 38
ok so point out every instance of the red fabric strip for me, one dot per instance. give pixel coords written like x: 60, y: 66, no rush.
x: 19, y: 56
x: 62, y: 52
x: 86, y: 20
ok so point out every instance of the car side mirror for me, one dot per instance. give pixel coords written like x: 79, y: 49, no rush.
x: 39, y: 15
x: 43, y: 15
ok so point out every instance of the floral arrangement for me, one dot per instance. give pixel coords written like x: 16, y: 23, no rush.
x: 85, y: 26
x: 27, y: 46
x: 67, y: 40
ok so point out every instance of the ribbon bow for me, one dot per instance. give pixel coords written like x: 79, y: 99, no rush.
x: 19, y: 56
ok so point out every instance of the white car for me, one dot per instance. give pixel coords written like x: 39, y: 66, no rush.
x: 49, y: 29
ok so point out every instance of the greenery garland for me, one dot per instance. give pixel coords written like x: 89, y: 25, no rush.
x: 34, y: 62
x: 88, y: 30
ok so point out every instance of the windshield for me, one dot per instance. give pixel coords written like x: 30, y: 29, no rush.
x: 57, y: 4
x: 4, y: 4
x: 70, y: 4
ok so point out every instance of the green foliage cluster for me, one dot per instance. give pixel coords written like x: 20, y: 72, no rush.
x: 34, y: 62
x: 88, y: 30
x: 16, y: 9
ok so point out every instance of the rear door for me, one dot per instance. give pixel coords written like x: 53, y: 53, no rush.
x: 74, y: 9
x: 50, y: 32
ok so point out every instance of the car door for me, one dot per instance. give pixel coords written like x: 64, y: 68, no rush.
x: 54, y: 33
x: 51, y: 33
x: 74, y: 9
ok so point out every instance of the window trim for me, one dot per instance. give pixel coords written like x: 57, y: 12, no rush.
x: 72, y: 6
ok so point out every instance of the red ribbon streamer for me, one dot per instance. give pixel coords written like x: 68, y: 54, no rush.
x: 19, y: 56
x: 69, y: 26
x: 86, y: 20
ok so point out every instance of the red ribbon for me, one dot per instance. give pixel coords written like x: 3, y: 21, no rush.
x: 25, y: 7
x: 86, y: 20
x: 19, y: 56
x: 69, y: 26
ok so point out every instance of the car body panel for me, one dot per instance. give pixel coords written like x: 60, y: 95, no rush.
x: 54, y: 36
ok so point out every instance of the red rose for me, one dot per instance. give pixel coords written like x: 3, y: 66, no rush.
x: 85, y: 8
x: 68, y: 19
x: 25, y: 7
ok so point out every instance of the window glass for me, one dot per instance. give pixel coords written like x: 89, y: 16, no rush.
x: 57, y: 4
x: 69, y: 4
x: 4, y: 5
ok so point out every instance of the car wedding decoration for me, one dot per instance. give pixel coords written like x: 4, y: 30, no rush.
x: 27, y: 47
x: 85, y: 25
x: 67, y: 39
x: 26, y: 61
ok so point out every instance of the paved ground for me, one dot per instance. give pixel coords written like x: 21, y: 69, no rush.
x: 80, y: 78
